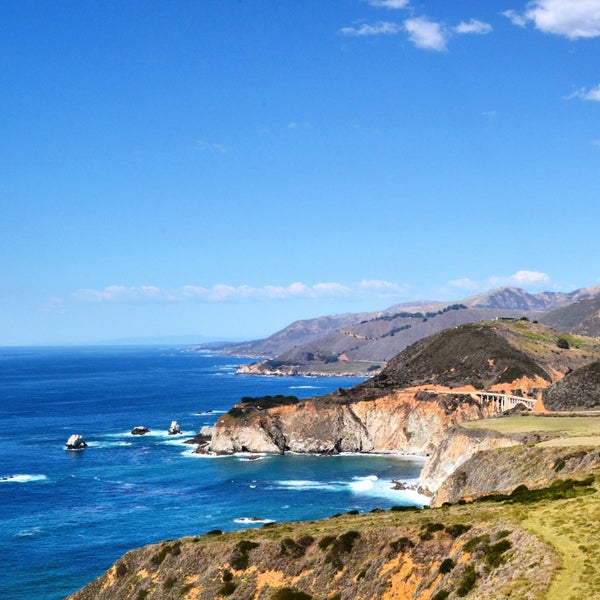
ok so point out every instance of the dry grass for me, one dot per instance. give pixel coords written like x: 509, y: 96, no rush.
x: 569, y: 426
x: 573, y: 529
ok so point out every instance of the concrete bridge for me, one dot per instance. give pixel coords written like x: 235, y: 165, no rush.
x: 501, y: 402
x: 504, y: 402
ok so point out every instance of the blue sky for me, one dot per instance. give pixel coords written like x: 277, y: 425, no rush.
x: 224, y: 167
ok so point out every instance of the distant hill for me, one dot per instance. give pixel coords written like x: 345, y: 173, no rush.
x: 582, y: 318
x: 579, y: 390
x: 491, y: 355
x: 361, y: 343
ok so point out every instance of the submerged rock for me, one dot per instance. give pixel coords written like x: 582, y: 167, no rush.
x: 140, y: 430
x: 76, y: 442
x: 174, y: 429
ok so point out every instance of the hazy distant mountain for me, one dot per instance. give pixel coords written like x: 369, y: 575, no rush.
x: 518, y: 299
x: 364, y: 342
x: 582, y: 318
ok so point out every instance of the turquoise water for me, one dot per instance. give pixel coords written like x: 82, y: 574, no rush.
x: 65, y: 516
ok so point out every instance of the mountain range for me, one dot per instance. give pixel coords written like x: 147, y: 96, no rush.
x: 361, y: 343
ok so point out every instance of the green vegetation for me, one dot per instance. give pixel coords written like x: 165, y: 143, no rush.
x: 562, y: 343
x: 239, y: 559
x: 557, y: 490
x: 447, y: 565
x: 250, y: 405
x: 290, y: 594
x: 566, y: 426
x: 467, y: 582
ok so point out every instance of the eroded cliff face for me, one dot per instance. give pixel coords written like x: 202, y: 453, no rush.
x: 502, y: 470
x: 456, y: 448
x: 406, y: 421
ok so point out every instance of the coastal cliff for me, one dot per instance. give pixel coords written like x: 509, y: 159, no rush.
x: 407, y: 421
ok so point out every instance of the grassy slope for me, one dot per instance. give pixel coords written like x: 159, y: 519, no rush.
x: 564, y: 428
x: 377, y: 563
x: 570, y: 526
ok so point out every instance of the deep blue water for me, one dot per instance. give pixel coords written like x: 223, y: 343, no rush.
x: 65, y: 517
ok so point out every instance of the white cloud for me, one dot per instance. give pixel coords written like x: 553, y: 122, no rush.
x: 515, y: 18
x: 426, y: 34
x: 393, y: 4
x: 54, y: 305
x: 298, y: 125
x: 224, y: 293
x: 522, y: 279
x: 211, y: 147
x: 473, y: 26
x: 381, y: 28
x: 585, y: 94
x: 573, y: 19
x: 464, y: 284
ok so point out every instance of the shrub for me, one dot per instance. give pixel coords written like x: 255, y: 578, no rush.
x: 457, y: 529
x: 467, y: 582
x: 227, y: 576
x: 447, y: 565
x: 291, y: 548
x: 341, y: 545
x: 402, y: 545
x: 121, y: 569
x: 494, y: 553
x: 214, y: 532
x: 561, y: 342
x: 306, y: 541
x: 239, y: 558
x: 227, y: 588
x: 476, y: 541
x: 288, y: 593
x: 158, y: 558
x: 325, y: 542
x: 169, y: 582
x: 245, y: 546
x: 142, y: 594
x: 441, y: 595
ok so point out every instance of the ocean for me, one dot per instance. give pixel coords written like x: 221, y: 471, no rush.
x: 66, y: 516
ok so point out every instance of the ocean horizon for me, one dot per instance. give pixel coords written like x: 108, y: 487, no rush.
x: 66, y: 516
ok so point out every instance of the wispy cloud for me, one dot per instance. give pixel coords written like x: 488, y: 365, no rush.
x: 573, y: 19
x: 380, y: 28
x: 522, y: 278
x: 203, y: 145
x: 54, y: 305
x: 464, y: 284
x: 392, y: 4
x: 426, y: 34
x: 516, y: 18
x: 225, y: 293
x: 298, y: 125
x: 585, y: 94
x: 473, y: 26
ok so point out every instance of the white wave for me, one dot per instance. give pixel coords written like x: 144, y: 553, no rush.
x: 22, y: 478
x: 305, y: 387
x: 34, y: 531
x: 385, y: 488
x: 306, y: 484
x: 252, y: 521
x: 209, y: 413
x: 363, y: 484
x: 108, y: 444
